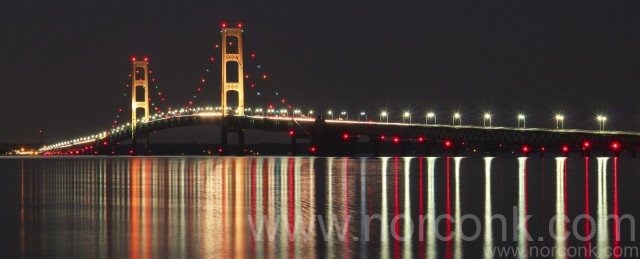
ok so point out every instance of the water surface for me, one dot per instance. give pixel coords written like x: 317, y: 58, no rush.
x: 211, y: 207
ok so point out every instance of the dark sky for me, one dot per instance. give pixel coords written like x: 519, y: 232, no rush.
x: 63, y: 64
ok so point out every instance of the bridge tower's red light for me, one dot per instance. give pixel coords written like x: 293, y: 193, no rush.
x: 240, y: 25
x: 131, y: 152
x: 224, y: 25
x: 313, y: 149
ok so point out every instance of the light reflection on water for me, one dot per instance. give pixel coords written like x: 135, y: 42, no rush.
x: 365, y: 207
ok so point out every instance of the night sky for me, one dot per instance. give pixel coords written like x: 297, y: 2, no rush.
x: 63, y: 64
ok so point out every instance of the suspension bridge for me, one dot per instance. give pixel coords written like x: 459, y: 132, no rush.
x: 327, y: 135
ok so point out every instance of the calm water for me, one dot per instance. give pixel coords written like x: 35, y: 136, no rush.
x: 318, y: 207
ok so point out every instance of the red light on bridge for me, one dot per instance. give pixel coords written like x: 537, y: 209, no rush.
x: 525, y: 149
x: 131, y: 152
x: 420, y: 139
x: 542, y: 149
x: 104, y: 143
x: 586, y: 144
x: 133, y: 58
x: 396, y: 140
x: 313, y: 149
x: 382, y: 137
x: 291, y: 132
x: 220, y: 150
x: 345, y: 136
x: 447, y: 144
x: 240, y: 25
x: 253, y: 55
x: 146, y: 59
x: 615, y: 146
x: 264, y: 76
x: 224, y: 25
x: 565, y: 149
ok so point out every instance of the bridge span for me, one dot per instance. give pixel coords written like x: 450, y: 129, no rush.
x: 338, y: 137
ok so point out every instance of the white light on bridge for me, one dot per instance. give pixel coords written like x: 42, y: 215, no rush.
x: 559, y: 121
x: 601, y: 121
x: 487, y: 116
x: 384, y: 114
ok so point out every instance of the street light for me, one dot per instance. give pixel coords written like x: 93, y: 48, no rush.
x: 310, y: 113
x: 559, y: 121
x: 405, y: 115
x: 601, y: 120
x: 346, y: 116
x: 296, y: 111
x: 330, y: 113
x: 521, y: 118
x: 429, y: 116
x: 487, y: 116
x: 384, y: 114
x: 363, y: 114
x: 458, y: 117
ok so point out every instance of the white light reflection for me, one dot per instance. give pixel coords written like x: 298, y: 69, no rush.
x: 384, y: 222
x: 488, y: 212
x: 407, y: 230
x: 431, y: 209
x: 561, y: 226
x: 602, y: 226
x: 458, y: 226
x: 522, y: 207
x: 363, y: 208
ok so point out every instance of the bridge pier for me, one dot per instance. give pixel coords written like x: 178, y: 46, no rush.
x: 403, y: 147
x: 227, y: 126
x: 428, y: 145
x: 147, y: 147
x: 293, y: 147
x: 375, y: 146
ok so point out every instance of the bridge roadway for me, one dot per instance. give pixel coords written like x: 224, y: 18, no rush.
x: 337, y: 137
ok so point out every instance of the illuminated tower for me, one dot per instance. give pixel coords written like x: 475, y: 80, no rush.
x: 139, y: 93
x: 232, y: 62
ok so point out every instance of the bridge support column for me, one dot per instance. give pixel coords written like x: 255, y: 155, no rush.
x: 241, y: 146
x: 223, y: 140
x: 428, y: 145
x: 375, y: 146
x: 228, y: 125
x: 403, y: 147
x: 634, y: 152
x: 293, y: 146
x: 146, y: 146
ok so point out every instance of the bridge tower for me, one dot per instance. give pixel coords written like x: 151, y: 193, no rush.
x: 232, y: 60
x: 139, y: 100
